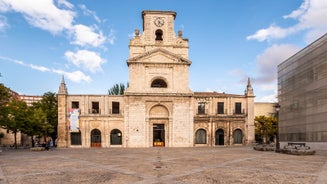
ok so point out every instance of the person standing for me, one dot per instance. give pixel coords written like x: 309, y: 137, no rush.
x: 51, y: 144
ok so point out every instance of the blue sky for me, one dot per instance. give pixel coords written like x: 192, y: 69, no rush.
x: 87, y: 42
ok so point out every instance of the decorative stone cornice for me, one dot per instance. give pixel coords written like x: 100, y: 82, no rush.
x: 168, y: 94
x: 215, y: 94
x: 176, y: 57
x: 158, y: 12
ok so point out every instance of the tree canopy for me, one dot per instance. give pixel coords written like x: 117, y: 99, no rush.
x: 265, y: 128
x: 49, y: 106
x: 40, y: 119
x: 117, y: 89
x: 16, y: 117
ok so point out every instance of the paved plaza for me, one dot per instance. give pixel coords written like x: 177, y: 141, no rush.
x: 161, y: 165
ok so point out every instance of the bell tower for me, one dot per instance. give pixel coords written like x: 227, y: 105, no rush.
x: 158, y: 104
x: 158, y: 58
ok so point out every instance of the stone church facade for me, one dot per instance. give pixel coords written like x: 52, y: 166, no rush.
x: 158, y: 108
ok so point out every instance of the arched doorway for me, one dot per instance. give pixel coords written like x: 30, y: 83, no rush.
x: 220, y: 137
x: 201, y: 136
x: 115, y: 137
x: 237, y: 136
x: 159, y: 120
x: 96, y: 138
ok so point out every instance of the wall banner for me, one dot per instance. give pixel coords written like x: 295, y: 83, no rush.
x: 74, y: 120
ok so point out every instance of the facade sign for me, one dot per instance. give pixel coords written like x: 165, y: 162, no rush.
x: 74, y: 120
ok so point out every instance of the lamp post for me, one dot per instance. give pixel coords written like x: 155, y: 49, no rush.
x: 277, y: 108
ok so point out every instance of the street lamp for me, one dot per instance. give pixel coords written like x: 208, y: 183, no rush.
x: 277, y: 108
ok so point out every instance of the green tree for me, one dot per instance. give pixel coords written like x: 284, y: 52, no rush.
x: 4, y: 100
x: 16, y: 111
x: 49, y: 106
x: 117, y: 89
x: 35, y: 123
x: 265, y: 128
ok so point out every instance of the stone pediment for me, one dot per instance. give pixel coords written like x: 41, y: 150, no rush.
x: 159, y: 55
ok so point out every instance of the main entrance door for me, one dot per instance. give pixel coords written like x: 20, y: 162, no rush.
x: 95, y: 138
x: 158, y: 135
x: 220, y: 137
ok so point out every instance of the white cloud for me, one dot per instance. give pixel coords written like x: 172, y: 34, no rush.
x: 268, y: 61
x: 3, y: 23
x: 299, y: 12
x: 268, y: 86
x: 268, y: 98
x: 39, y: 68
x: 12, y: 60
x: 65, y: 3
x: 41, y: 13
x: 4, y: 6
x: 32, y: 66
x: 241, y: 75
x: 311, y: 17
x: 272, y: 32
x: 57, y: 16
x: 85, y: 35
x: 76, y: 76
x: 266, y: 64
x: 111, y: 37
x: 88, y: 12
x: 88, y: 60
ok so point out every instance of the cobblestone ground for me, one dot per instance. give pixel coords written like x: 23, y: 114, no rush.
x: 161, y: 165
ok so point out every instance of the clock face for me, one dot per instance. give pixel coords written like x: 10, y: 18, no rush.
x: 159, y: 21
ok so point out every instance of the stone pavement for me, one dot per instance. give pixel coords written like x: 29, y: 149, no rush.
x: 161, y: 165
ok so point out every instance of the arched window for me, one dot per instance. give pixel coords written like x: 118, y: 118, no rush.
x: 159, y: 34
x: 201, y: 137
x: 159, y: 83
x: 115, y: 137
x: 237, y: 136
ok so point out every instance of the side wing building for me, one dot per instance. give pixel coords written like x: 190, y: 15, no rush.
x: 302, y: 95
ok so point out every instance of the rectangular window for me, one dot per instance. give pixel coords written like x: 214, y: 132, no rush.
x: 238, y: 108
x: 75, y: 138
x: 115, y: 107
x: 95, y: 108
x: 75, y: 105
x: 201, y: 108
x: 220, y: 108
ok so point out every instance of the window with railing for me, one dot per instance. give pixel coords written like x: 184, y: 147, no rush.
x: 238, y: 108
x: 220, y: 108
x: 115, y: 107
x: 75, y: 105
x: 201, y: 108
x: 95, y: 108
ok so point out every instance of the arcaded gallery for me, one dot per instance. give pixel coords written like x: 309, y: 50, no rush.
x: 158, y: 108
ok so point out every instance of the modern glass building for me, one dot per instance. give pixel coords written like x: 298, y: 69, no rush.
x: 302, y: 95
